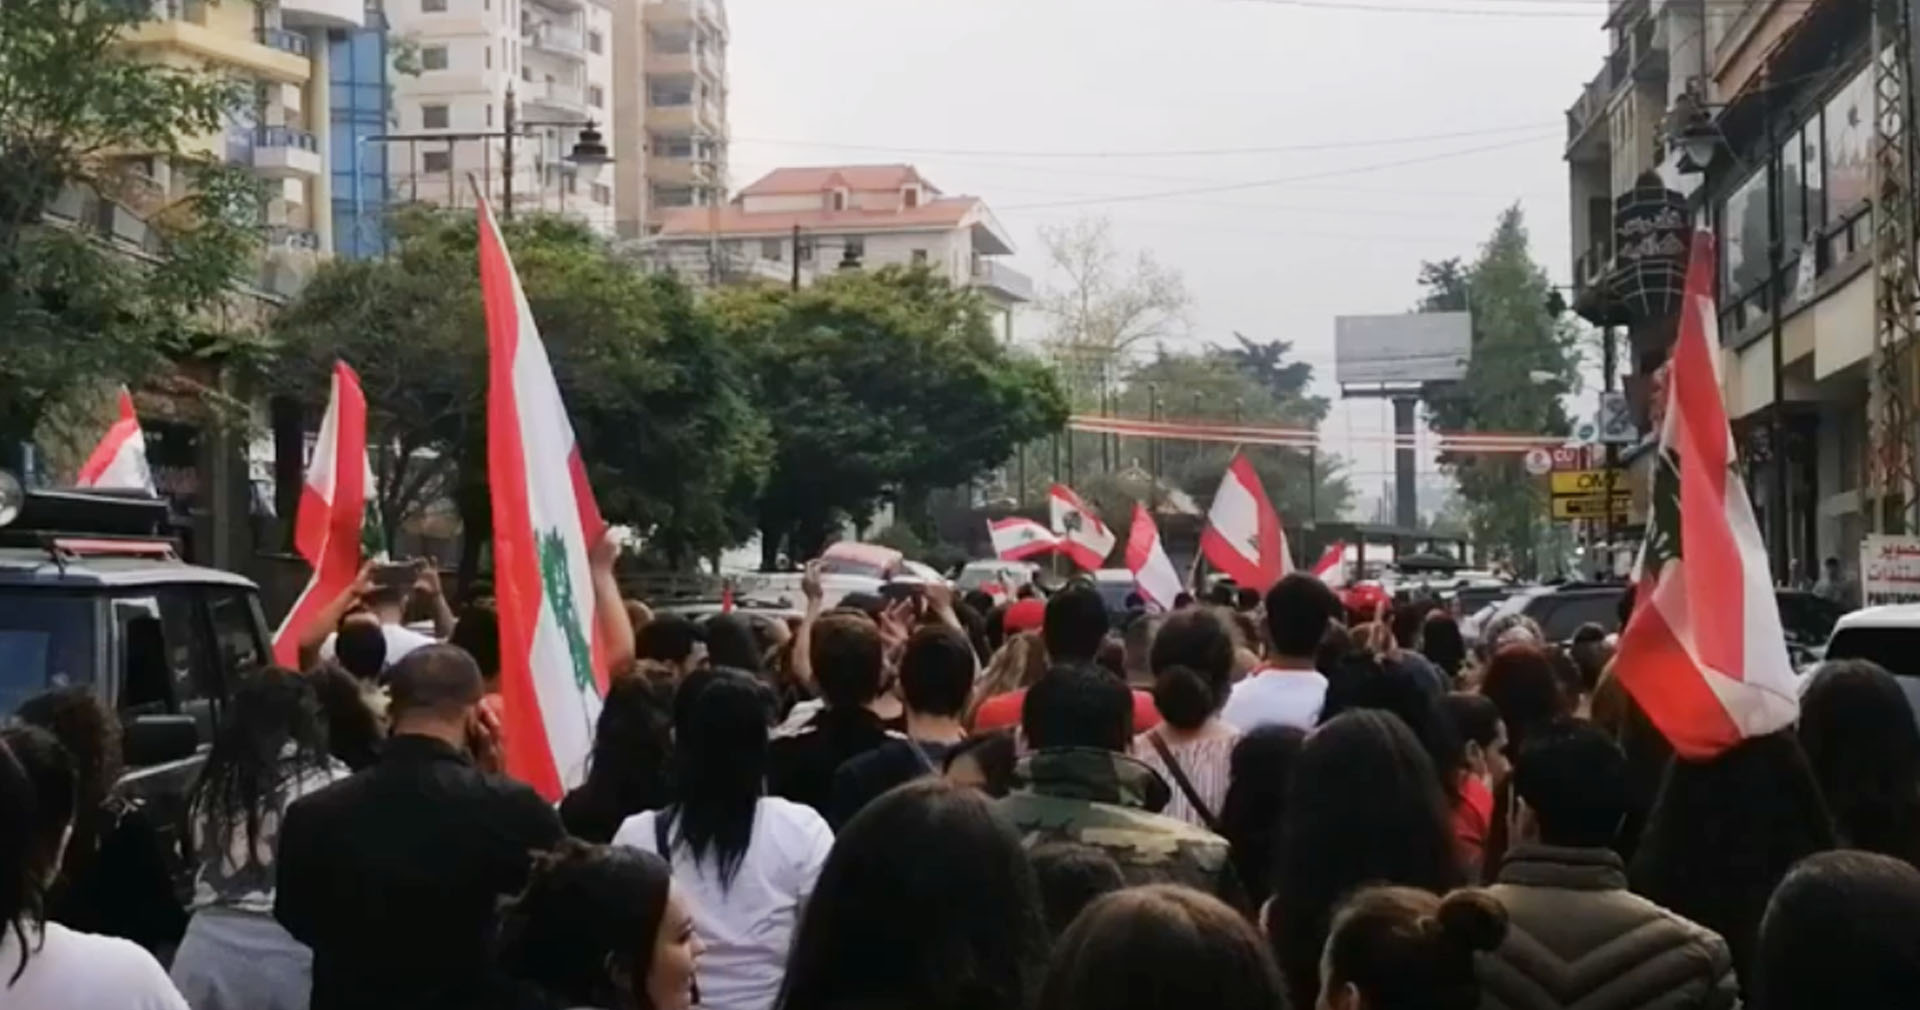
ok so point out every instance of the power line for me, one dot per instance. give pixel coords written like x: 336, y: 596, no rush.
x: 1161, y: 153
x: 1281, y: 180
x: 1535, y: 8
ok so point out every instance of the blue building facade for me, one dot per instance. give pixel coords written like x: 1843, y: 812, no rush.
x: 357, y: 64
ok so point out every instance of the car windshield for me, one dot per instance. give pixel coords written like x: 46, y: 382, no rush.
x: 1894, y: 649
x: 1561, y: 614
x: 46, y: 640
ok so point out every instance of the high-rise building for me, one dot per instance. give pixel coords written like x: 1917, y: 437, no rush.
x: 281, y: 47
x: 672, y: 68
x: 358, y: 77
x: 471, y: 66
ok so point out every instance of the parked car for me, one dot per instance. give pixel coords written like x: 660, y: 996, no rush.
x: 1887, y: 635
x: 995, y: 577
x: 111, y: 607
x: 1805, y: 619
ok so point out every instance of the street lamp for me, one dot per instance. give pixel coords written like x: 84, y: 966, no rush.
x: 588, y: 157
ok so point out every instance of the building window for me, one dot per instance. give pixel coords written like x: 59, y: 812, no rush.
x: 839, y: 199
x: 526, y: 74
x: 1849, y: 147
x: 489, y: 113
x: 596, y: 97
x: 489, y: 52
x: 433, y: 58
x: 433, y: 117
x: 432, y: 6
x: 436, y: 161
x: 919, y: 257
x: 570, y: 183
x: 771, y: 249
x: 595, y: 43
x: 1743, y: 230
x: 602, y: 193
x: 854, y: 248
x: 910, y: 197
x: 674, y: 147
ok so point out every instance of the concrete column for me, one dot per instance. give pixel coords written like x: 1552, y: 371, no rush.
x: 319, y: 105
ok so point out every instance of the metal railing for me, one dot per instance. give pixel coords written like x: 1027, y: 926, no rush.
x: 283, y: 40
x: 280, y: 236
x: 284, y: 136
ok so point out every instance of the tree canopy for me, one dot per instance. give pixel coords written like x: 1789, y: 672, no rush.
x: 878, y: 385
x: 78, y: 313
x: 1515, y: 334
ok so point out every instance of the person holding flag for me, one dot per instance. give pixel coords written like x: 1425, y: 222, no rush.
x: 1084, y: 539
x: 1153, y: 572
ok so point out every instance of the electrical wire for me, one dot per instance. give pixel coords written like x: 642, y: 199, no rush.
x: 1213, y: 152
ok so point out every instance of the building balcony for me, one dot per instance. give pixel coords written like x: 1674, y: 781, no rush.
x: 281, y: 152
x: 283, y: 40
x: 346, y: 15
x: 1001, y: 281
x: 558, y: 95
x: 280, y: 236
x: 557, y: 40
x: 564, y: 6
x: 1586, y: 119
x: 181, y: 26
x: 672, y: 119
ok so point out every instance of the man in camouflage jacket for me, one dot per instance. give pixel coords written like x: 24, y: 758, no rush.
x: 1079, y: 786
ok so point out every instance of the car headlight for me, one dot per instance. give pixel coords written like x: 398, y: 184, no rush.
x: 13, y: 497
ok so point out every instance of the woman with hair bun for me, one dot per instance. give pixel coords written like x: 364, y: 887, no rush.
x: 1192, y: 749
x: 1400, y: 948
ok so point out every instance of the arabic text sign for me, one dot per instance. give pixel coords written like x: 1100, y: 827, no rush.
x: 1890, y: 569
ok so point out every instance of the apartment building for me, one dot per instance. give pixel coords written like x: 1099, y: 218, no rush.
x: 671, y: 69
x: 1756, y: 118
x: 799, y: 222
x: 282, y: 48
x: 467, y: 66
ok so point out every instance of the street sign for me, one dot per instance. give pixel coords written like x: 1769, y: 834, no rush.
x: 1889, y: 569
x: 1592, y: 506
x: 1585, y: 432
x: 1576, y: 483
x: 1616, y: 420
x: 1539, y: 462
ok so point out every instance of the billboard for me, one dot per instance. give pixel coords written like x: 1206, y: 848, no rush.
x: 1399, y: 349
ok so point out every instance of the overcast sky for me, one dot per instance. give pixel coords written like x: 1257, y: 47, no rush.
x: 1424, y: 121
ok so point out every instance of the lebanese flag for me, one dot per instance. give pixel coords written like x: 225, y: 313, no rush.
x: 1085, y: 540
x: 552, y: 673
x: 1331, y: 568
x: 120, y: 460
x: 1153, y: 573
x: 1017, y: 539
x: 1703, y: 653
x: 328, y: 529
x: 1243, y: 537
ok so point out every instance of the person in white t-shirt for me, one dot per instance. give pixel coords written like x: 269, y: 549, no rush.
x: 746, y: 862
x: 1289, y: 691
x: 44, y: 965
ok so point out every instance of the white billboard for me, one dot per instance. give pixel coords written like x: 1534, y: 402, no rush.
x: 1406, y: 348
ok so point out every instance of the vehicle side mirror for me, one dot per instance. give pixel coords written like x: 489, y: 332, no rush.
x: 157, y: 739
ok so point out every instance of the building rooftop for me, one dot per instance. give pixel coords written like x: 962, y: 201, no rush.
x: 824, y: 178
x: 946, y: 212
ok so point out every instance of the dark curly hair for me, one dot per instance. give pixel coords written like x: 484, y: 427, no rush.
x: 584, y: 906
x: 272, y: 733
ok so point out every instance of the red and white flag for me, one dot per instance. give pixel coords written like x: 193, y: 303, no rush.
x: 1018, y: 538
x: 1084, y: 539
x: 1332, y: 566
x: 1243, y: 537
x: 1703, y: 653
x: 1153, y: 572
x: 331, y: 528
x: 552, y: 674
x: 120, y: 460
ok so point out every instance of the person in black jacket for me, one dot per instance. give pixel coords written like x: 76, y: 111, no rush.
x: 393, y: 876
x: 936, y: 680
x: 849, y: 664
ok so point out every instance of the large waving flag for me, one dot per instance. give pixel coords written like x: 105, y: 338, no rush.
x: 331, y: 528
x: 1243, y: 537
x: 1153, y: 571
x: 1084, y: 539
x: 544, y: 516
x: 1703, y: 654
x: 1017, y: 538
x: 120, y: 460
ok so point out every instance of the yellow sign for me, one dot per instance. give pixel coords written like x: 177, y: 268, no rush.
x: 1586, y: 482
x: 1593, y: 506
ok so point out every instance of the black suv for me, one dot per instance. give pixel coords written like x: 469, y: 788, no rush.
x: 89, y: 595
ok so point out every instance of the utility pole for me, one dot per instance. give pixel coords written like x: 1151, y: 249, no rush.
x: 1608, y: 366
x: 1892, y: 379
x: 510, y: 126
x: 1777, y: 426
x: 794, y: 285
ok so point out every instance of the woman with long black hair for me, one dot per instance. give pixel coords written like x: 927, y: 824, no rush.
x: 746, y: 860
x: 270, y: 749
x: 631, y: 744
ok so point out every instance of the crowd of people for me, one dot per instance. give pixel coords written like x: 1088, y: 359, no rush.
x: 925, y: 802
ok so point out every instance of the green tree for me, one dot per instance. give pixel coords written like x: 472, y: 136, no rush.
x: 878, y: 386
x: 659, y: 404
x: 1252, y: 384
x: 1515, y: 335
x: 77, y: 313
